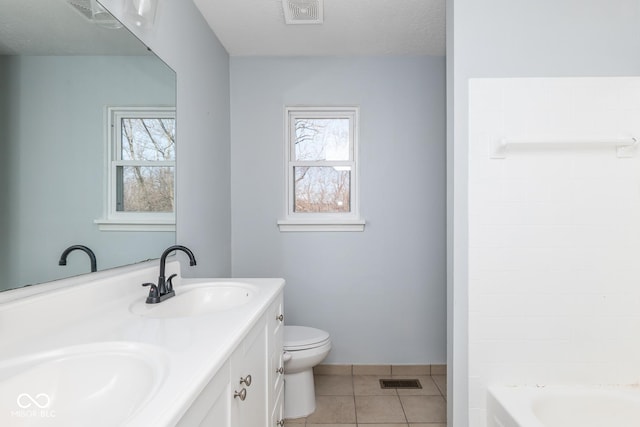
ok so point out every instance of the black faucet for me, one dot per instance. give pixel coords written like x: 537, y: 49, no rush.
x: 164, y: 289
x: 92, y: 256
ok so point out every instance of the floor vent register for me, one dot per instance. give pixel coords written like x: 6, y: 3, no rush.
x: 400, y: 384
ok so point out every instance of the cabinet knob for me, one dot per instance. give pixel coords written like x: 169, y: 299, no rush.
x: 246, y: 380
x: 242, y: 394
x: 280, y: 423
x: 280, y: 370
x: 280, y: 317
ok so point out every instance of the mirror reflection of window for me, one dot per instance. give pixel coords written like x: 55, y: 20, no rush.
x: 142, y: 165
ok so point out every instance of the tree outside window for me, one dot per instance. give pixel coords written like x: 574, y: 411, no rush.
x: 142, y: 186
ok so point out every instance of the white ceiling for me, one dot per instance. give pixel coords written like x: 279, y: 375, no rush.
x: 351, y: 27
x: 245, y: 28
x: 53, y: 27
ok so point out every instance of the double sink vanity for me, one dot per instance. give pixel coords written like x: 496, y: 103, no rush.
x: 90, y: 351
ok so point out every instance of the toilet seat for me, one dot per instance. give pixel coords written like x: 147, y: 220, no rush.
x: 303, y: 338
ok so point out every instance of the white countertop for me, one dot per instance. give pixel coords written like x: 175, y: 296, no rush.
x: 191, y: 348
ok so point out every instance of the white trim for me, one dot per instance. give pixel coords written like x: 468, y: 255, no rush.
x: 321, y: 225
x: 133, y: 225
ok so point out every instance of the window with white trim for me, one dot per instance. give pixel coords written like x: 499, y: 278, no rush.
x: 141, y: 169
x: 322, y: 169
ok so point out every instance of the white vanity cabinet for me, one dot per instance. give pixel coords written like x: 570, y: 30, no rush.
x: 247, y: 391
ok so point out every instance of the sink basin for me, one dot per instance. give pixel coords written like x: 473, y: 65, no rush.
x: 97, y: 384
x: 198, y: 299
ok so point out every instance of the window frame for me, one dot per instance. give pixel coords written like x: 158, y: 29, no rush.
x: 114, y: 220
x: 321, y: 221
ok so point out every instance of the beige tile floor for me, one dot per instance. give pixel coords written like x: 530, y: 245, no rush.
x: 358, y: 401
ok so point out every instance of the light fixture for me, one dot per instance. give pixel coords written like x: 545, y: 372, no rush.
x: 141, y: 13
x: 100, y: 16
x: 95, y: 13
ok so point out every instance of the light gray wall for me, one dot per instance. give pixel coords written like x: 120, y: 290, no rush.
x: 502, y: 38
x: 379, y: 293
x: 182, y: 38
x: 56, y: 160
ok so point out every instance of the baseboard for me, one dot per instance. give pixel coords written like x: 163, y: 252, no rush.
x: 338, y: 369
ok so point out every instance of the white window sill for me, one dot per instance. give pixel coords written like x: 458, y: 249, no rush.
x: 320, y: 225
x: 134, y: 225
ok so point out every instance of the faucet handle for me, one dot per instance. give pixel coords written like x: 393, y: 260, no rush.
x: 170, y: 283
x: 153, y: 291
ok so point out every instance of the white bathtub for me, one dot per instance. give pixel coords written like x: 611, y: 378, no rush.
x: 563, y: 406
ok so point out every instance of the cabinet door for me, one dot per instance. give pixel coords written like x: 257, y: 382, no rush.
x: 277, y: 416
x: 249, y: 380
x: 211, y: 408
x: 218, y: 415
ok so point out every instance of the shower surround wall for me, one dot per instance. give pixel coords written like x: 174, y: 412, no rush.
x: 554, y: 236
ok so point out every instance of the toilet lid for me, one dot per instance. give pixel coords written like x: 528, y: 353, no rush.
x: 301, y: 337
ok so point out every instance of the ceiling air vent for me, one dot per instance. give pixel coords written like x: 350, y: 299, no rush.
x: 302, y: 11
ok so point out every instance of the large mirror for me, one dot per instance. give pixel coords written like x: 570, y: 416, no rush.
x: 60, y: 69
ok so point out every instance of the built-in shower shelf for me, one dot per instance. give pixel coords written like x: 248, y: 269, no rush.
x: 499, y: 148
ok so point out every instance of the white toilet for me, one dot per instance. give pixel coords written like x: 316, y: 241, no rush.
x: 304, y: 348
